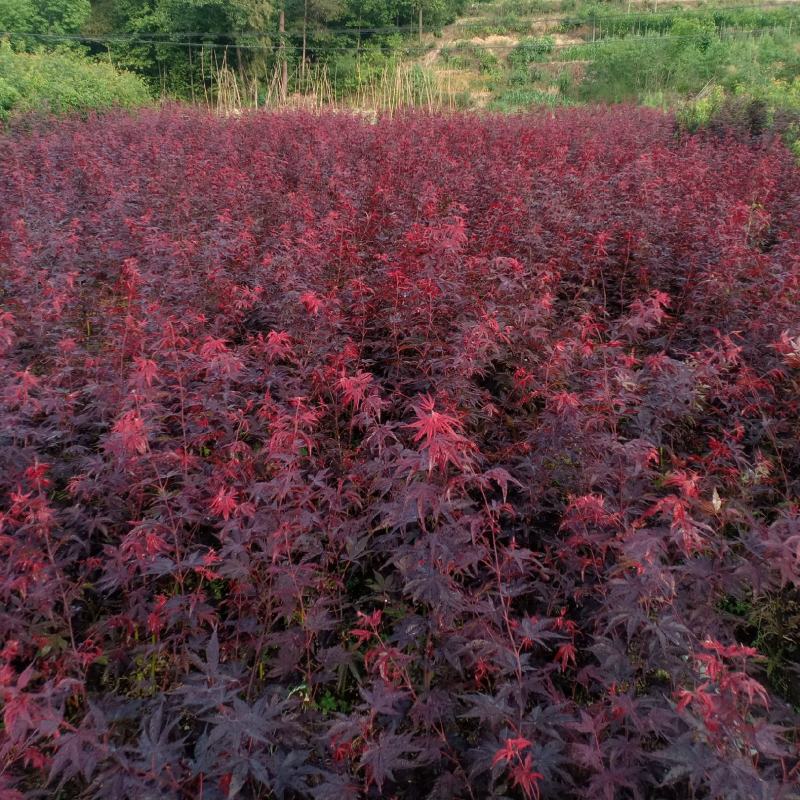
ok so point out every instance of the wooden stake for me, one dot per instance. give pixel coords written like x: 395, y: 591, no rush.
x: 305, y: 28
x: 284, y: 65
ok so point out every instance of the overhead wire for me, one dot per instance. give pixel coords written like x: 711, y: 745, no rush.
x: 647, y: 38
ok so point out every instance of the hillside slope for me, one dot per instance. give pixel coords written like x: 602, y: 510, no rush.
x: 512, y: 54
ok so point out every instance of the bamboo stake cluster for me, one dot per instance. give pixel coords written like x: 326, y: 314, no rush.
x: 396, y: 86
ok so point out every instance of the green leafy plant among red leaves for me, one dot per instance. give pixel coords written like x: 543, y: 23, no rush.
x: 410, y: 459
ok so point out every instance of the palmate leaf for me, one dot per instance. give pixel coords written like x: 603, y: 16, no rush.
x: 389, y: 753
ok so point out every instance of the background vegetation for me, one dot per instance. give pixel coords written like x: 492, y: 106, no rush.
x: 506, y: 55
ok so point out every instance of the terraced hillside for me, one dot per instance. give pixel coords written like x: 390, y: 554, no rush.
x: 513, y: 54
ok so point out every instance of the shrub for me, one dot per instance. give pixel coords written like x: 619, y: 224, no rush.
x: 531, y: 50
x: 635, y: 67
x: 747, y: 112
x: 465, y: 55
x: 62, y: 82
x: 436, y: 457
x: 515, y: 98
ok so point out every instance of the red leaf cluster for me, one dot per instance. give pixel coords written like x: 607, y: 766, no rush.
x: 409, y: 459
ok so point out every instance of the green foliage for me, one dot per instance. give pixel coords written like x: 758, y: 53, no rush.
x: 658, y: 58
x: 692, y: 32
x: 61, y: 16
x: 748, y: 109
x: 314, y: 14
x: 350, y: 70
x: 465, y: 55
x: 523, y: 76
x: 684, y: 62
x: 521, y: 99
x: 44, y: 16
x: 63, y: 81
x: 9, y: 96
x: 511, y: 16
x: 531, y: 50
x: 771, y: 624
x: 214, y: 26
x: 604, y: 20
x: 520, y: 8
x: 500, y: 27
x: 381, y: 13
x: 244, y: 33
x: 694, y: 115
x: 17, y: 15
x: 463, y: 100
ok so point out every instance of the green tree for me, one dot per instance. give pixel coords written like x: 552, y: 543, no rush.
x: 17, y: 15
x: 165, y: 35
x: 44, y: 16
x: 62, y: 16
x: 311, y: 17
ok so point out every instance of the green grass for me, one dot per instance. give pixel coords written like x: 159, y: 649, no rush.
x: 514, y: 99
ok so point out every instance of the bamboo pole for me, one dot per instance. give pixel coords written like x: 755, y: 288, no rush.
x: 284, y: 64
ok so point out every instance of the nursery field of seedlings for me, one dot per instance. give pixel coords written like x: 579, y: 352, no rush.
x: 445, y: 457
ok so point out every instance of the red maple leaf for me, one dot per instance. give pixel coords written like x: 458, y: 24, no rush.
x: 131, y: 431
x: 440, y: 436
x: 354, y: 389
x: 225, y: 502
x: 510, y: 750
